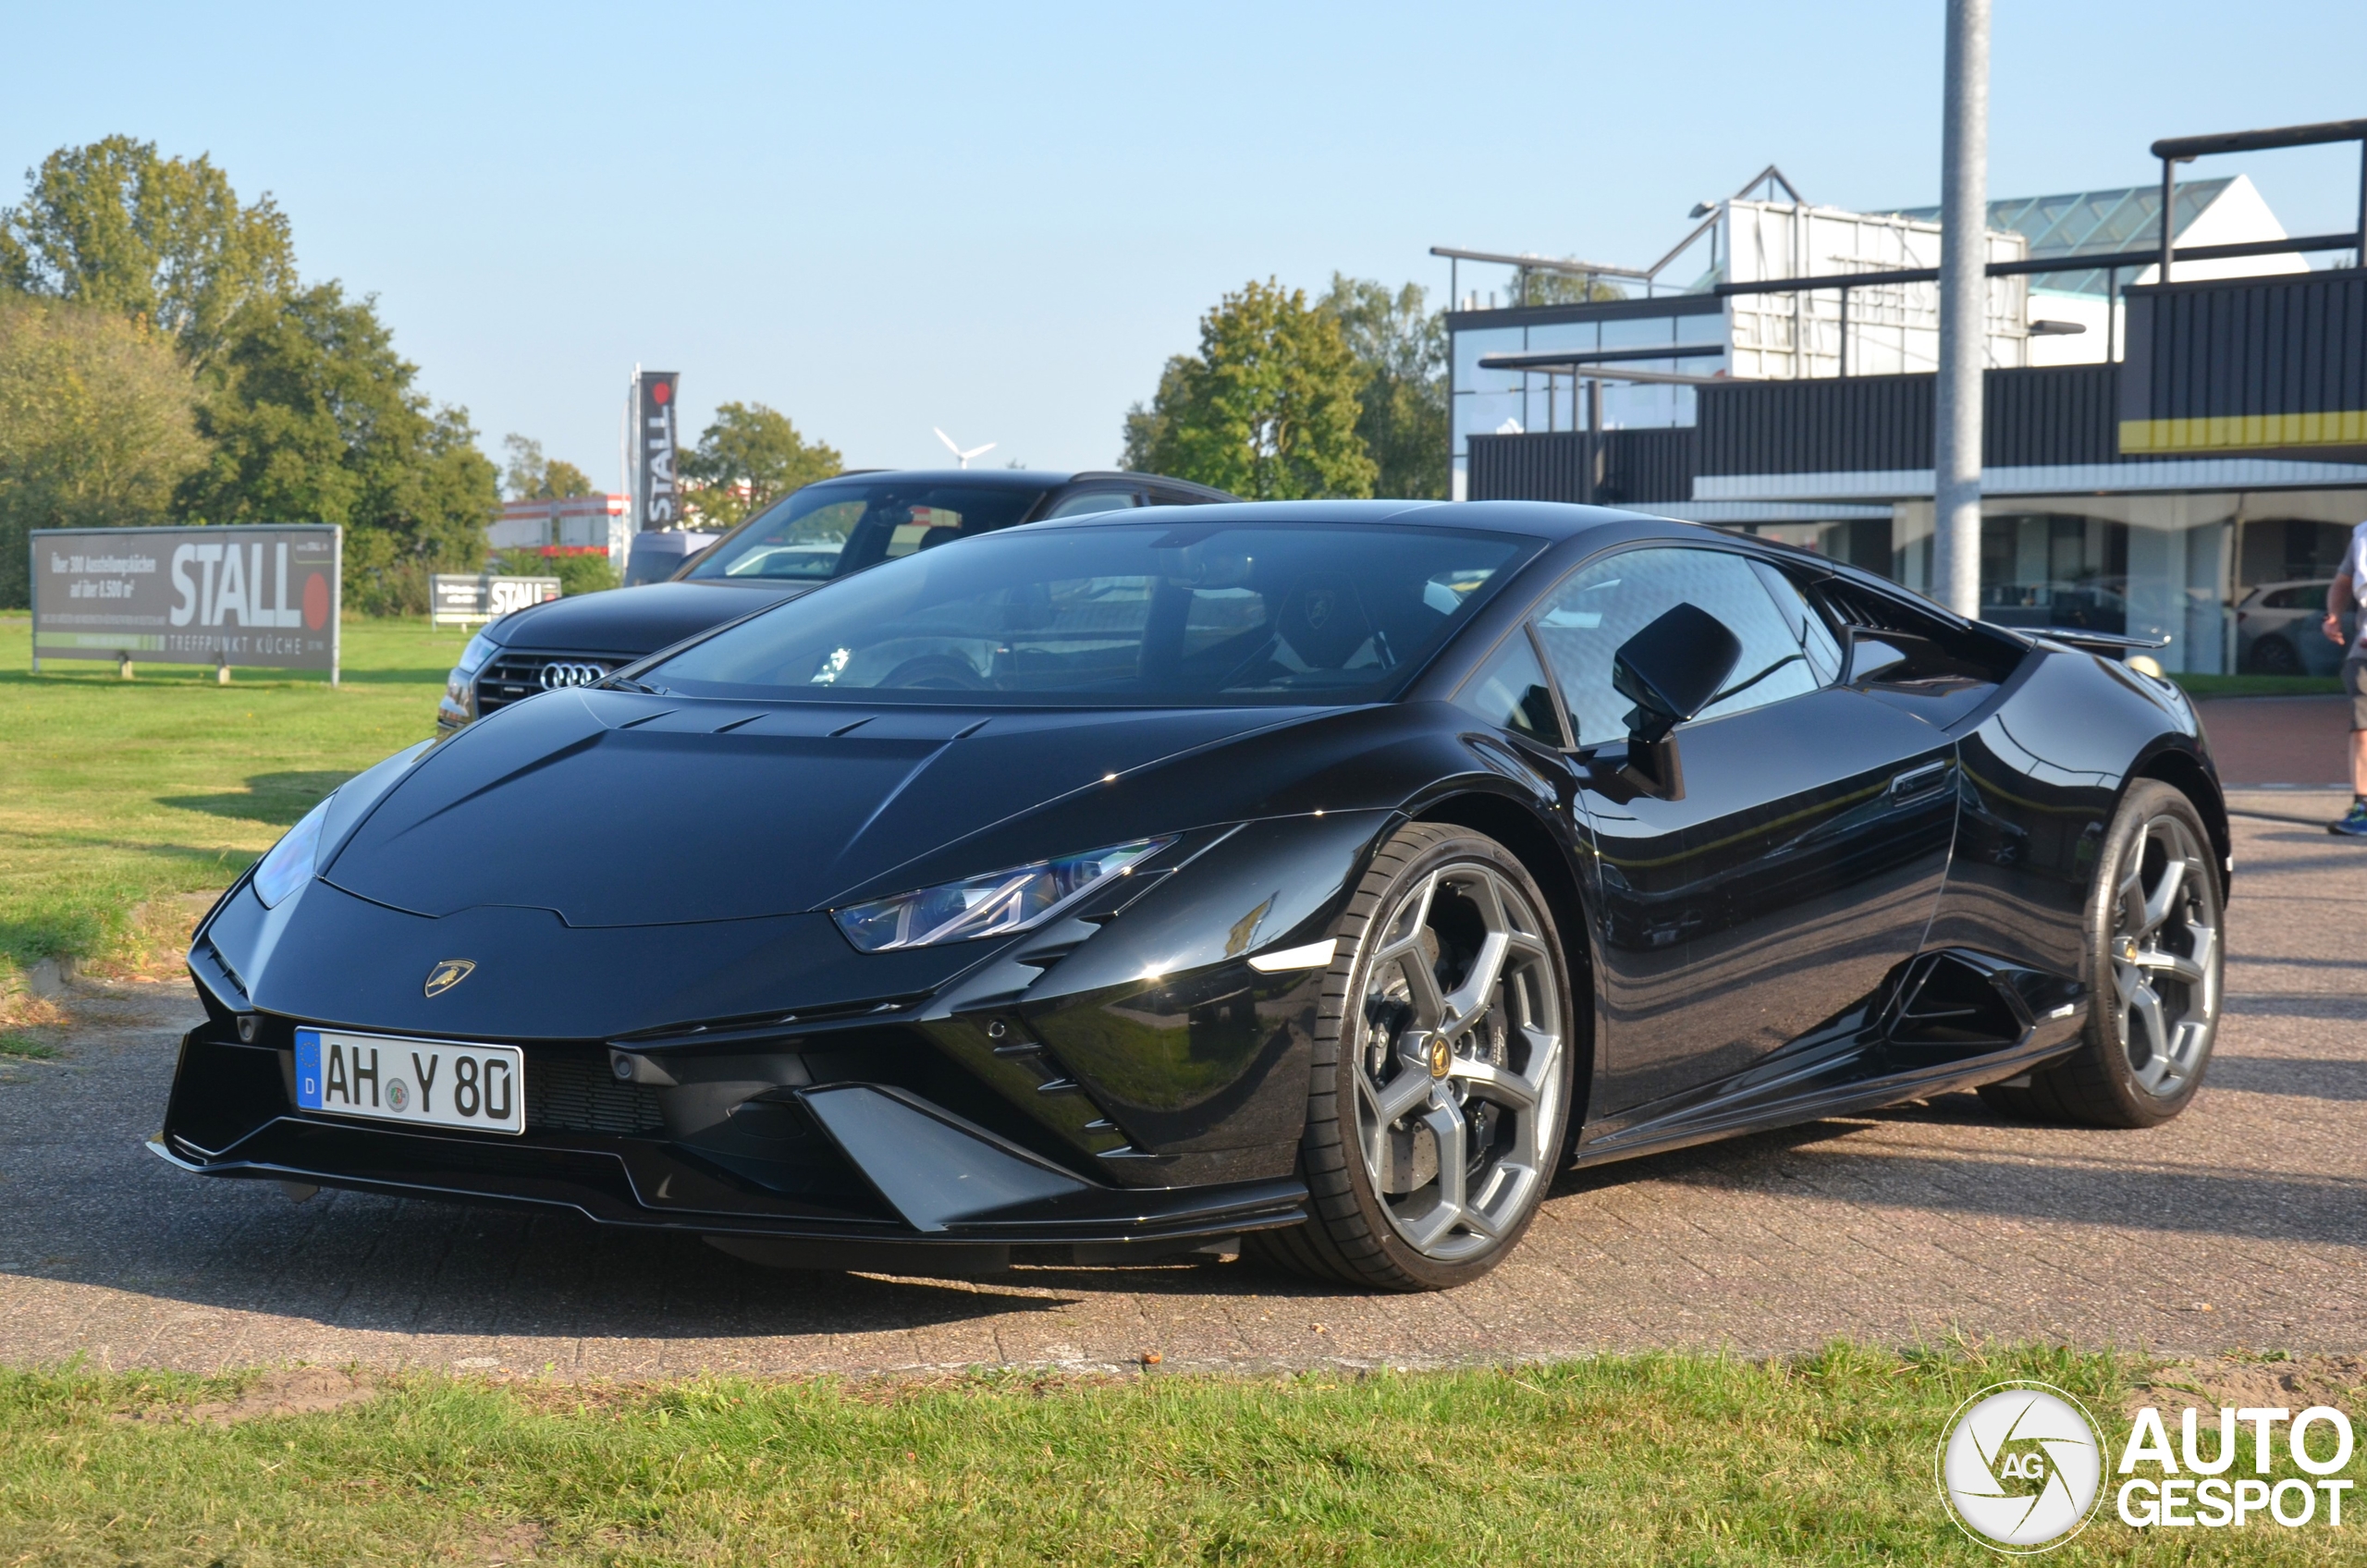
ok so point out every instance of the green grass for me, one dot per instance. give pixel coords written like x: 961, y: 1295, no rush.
x: 114, y: 791
x: 2260, y: 685
x: 26, y: 1049
x: 1674, y: 1459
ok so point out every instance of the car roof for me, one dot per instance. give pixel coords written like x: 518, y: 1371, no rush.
x: 1014, y: 478
x: 1542, y: 520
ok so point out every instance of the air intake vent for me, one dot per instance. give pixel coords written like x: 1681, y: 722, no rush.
x: 1952, y: 1006
x: 581, y: 1093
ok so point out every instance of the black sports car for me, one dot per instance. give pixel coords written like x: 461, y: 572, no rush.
x: 829, y: 529
x: 1325, y: 874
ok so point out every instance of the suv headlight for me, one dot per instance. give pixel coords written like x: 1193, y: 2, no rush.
x: 290, y: 864
x: 459, y: 704
x: 993, y: 905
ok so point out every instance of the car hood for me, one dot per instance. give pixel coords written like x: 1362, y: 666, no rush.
x: 610, y: 808
x: 637, y: 620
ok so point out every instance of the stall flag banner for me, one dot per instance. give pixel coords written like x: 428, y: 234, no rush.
x: 657, y: 500
x: 266, y: 596
x: 455, y: 599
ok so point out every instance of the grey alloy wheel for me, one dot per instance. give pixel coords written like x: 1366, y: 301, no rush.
x: 1457, y: 1040
x: 2164, y: 958
x: 2154, y: 968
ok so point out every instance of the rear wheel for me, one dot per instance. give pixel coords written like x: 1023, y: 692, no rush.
x: 2155, y: 964
x: 2274, y: 656
x: 1440, y: 1092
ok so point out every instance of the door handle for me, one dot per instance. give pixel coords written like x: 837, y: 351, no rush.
x: 1917, y: 781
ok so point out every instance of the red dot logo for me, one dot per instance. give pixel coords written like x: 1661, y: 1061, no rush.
x: 316, y: 601
x: 661, y: 393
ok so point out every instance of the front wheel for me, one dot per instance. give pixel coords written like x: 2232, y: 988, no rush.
x: 2154, y: 967
x: 1440, y: 1093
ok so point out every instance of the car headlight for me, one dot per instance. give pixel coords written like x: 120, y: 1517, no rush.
x: 993, y: 905
x: 290, y: 864
x: 460, y: 704
x: 480, y: 648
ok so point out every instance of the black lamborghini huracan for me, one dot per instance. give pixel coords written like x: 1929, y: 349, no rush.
x: 1328, y: 876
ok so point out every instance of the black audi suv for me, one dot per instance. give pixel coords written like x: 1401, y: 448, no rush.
x: 823, y: 531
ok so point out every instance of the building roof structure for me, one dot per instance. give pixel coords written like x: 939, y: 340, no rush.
x: 2093, y: 223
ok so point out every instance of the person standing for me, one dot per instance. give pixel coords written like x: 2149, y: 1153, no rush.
x: 2349, y: 592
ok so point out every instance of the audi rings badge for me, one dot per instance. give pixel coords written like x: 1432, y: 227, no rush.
x: 561, y: 673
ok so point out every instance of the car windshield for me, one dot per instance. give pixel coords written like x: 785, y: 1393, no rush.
x: 826, y: 531
x: 1133, y: 614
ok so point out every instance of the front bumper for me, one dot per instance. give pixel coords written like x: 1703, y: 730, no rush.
x: 1122, y: 1077
x: 841, y: 1165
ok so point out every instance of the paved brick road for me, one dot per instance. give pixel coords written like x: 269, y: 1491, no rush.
x: 2285, y: 741
x: 2241, y: 1224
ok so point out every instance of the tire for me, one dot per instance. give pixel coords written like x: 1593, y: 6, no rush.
x: 2274, y: 656
x: 1413, y: 944
x: 2155, y: 964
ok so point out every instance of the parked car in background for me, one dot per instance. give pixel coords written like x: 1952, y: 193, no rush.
x: 657, y: 556
x: 2092, y: 603
x: 823, y: 531
x: 2277, y: 630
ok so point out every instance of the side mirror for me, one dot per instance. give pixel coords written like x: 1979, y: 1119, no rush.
x: 1670, y: 670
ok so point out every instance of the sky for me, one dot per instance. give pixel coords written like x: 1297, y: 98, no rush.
x: 1000, y: 221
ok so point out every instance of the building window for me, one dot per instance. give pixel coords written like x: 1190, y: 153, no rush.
x: 2041, y: 569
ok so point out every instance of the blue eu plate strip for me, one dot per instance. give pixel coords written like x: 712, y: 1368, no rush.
x: 308, y: 1068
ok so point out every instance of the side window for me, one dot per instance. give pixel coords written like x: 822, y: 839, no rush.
x: 1094, y: 501
x: 924, y: 527
x: 1589, y: 616
x: 1816, y: 638
x: 1510, y: 692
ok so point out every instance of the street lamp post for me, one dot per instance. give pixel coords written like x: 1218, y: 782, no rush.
x: 1964, y: 310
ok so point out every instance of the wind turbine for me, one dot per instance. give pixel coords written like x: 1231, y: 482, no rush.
x: 958, y: 452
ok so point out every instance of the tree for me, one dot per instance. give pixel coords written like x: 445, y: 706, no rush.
x: 577, y: 573
x: 749, y: 458
x: 165, y: 240
x: 1401, y: 349
x: 97, y: 425
x: 533, y: 477
x: 314, y: 418
x: 1147, y: 427
x: 1268, y: 408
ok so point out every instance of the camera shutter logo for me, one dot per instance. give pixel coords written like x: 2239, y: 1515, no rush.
x: 2020, y: 1467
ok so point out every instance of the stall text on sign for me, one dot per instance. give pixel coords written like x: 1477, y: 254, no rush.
x: 458, y: 599
x: 263, y: 596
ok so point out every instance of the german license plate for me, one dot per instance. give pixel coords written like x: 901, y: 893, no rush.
x: 423, y: 1083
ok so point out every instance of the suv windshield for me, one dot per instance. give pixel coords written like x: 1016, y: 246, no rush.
x: 1155, y: 614
x: 826, y: 531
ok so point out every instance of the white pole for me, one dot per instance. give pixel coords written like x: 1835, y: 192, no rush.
x: 624, y: 446
x: 1964, y: 309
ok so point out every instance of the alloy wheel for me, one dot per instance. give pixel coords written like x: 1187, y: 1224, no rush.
x: 1458, y: 1034
x: 2164, y: 952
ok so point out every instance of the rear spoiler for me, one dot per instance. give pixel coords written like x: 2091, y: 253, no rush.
x: 2109, y: 643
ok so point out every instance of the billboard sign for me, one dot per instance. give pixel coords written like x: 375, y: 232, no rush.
x: 266, y: 596
x: 656, y: 498
x: 457, y: 599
